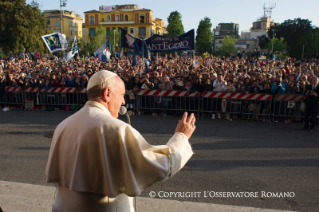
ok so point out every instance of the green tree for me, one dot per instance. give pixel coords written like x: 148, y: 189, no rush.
x: 279, y: 45
x: 204, y: 36
x: 297, y: 32
x: 228, y: 46
x: 21, y: 26
x: 117, y: 39
x: 263, y: 40
x: 100, y: 37
x: 36, y: 28
x: 175, y: 26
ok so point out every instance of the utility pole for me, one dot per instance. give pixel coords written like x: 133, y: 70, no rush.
x: 62, y: 4
x: 272, y: 49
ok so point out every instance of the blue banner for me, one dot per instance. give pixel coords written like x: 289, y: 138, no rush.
x: 55, y: 42
x: 158, y: 43
x: 103, y: 53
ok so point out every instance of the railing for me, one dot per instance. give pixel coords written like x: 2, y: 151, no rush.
x: 249, y: 106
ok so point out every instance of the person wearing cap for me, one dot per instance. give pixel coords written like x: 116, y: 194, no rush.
x: 99, y: 163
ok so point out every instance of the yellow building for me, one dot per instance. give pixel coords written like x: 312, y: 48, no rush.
x: 71, y: 23
x: 138, y: 22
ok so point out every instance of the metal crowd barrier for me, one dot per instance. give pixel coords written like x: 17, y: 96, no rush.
x: 168, y: 100
x: 288, y: 106
x: 250, y: 106
x: 12, y: 96
x: 56, y: 97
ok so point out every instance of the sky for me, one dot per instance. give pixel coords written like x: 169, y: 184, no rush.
x: 243, y: 12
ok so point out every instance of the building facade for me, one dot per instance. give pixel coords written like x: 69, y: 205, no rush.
x: 71, y: 23
x: 258, y: 29
x: 138, y: 22
x: 221, y: 31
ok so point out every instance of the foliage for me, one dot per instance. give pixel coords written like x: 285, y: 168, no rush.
x: 117, y: 39
x: 21, y: 26
x: 175, y: 26
x: 228, y: 46
x: 99, y: 37
x: 263, y: 40
x: 204, y: 36
x: 279, y: 45
x: 297, y: 32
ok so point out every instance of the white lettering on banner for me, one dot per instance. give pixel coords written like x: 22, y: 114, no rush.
x: 169, y: 46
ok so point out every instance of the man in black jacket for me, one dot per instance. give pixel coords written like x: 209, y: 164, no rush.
x: 311, y: 92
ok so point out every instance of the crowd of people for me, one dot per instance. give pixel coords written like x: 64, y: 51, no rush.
x: 239, y: 73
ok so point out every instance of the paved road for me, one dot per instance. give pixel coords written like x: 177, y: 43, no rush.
x: 236, y: 156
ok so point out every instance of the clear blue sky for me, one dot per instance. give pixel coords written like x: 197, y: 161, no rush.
x: 243, y: 12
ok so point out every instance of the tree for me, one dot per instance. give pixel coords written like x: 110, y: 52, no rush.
x: 297, y: 32
x: 204, y: 36
x: 228, y: 46
x: 175, y: 26
x: 99, y: 37
x: 279, y: 45
x: 117, y: 38
x: 263, y: 40
x: 21, y: 26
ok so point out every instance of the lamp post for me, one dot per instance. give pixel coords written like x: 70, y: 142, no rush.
x: 62, y: 4
x: 114, y: 40
x: 272, y: 49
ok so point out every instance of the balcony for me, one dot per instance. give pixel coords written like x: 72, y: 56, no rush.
x: 117, y: 22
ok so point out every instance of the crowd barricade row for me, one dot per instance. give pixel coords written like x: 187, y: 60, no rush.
x: 288, y: 106
x: 54, y: 97
x: 250, y: 106
x: 168, y: 100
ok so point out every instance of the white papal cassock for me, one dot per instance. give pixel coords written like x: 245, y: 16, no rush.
x: 99, y: 163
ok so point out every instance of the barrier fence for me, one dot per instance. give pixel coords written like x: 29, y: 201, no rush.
x: 288, y: 106
x: 249, y: 106
x: 168, y: 100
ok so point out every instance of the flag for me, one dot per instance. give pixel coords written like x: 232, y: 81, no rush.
x: 74, y: 49
x: 103, y: 53
x: 55, y: 42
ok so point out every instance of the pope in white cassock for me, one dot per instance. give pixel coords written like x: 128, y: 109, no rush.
x: 99, y: 163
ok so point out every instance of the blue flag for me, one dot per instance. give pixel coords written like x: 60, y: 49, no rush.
x: 103, y: 53
x: 55, y: 42
x: 74, y: 50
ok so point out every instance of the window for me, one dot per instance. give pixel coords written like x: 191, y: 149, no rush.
x: 141, y: 32
x: 141, y: 18
x: 92, y: 20
x: 57, y: 25
x: 102, y: 19
x: 48, y: 22
x: 117, y: 18
x: 126, y: 17
x: 71, y: 33
x: 119, y: 29
x: 92, y: 32
x: 108, y: 18
x: 158, y: 32
x: 132, y: 30
x: 153, y: 32
x: 108, y: 32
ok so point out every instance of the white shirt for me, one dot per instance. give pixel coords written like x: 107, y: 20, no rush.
x: 219, y: 86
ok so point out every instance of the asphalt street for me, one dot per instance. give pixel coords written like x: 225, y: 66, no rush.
x: 251, y: 158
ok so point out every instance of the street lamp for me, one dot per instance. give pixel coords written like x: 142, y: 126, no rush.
x: 62, y: 4
x: 272, y: 50
x: 114, y: 40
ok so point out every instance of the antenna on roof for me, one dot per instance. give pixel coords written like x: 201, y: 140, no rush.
x: 268, y: 10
